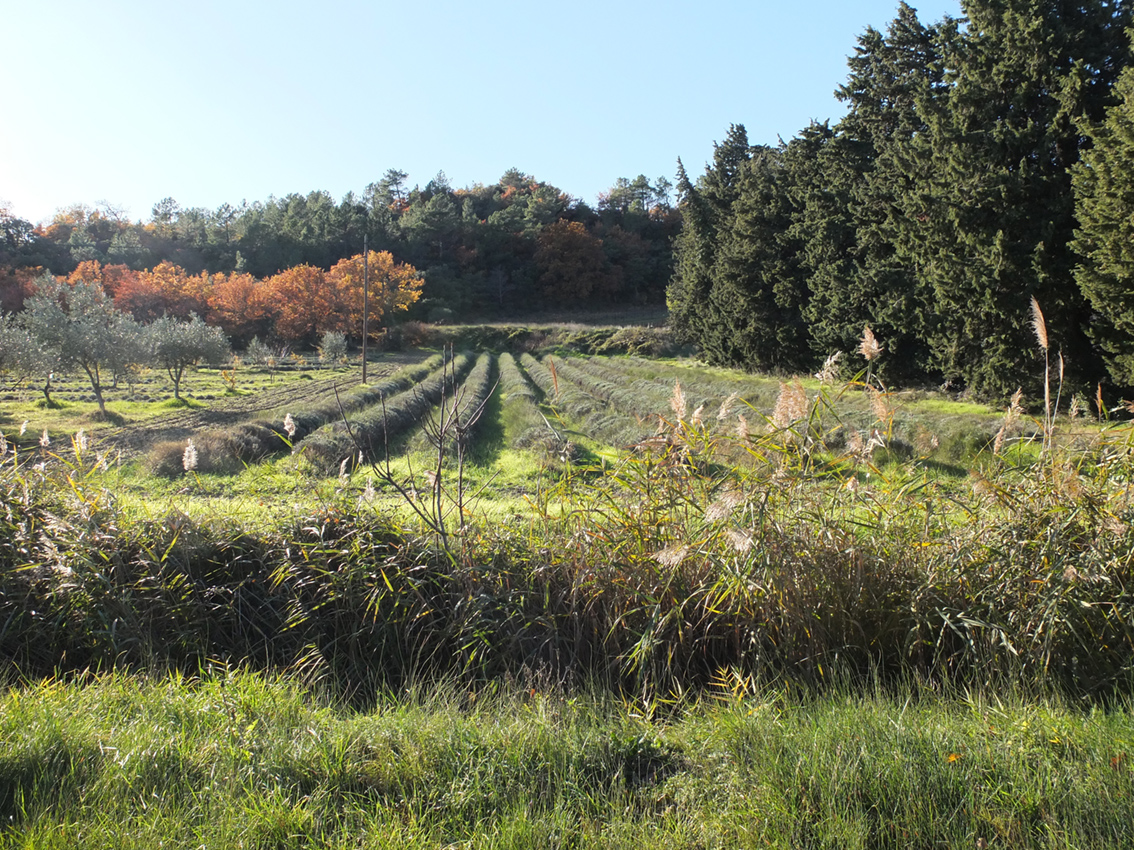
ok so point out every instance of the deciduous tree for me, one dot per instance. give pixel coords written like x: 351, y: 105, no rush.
x: 572, y: 264
x: 394, y: 287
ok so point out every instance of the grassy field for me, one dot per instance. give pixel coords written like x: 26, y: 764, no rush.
x: 240, y: 760
x: 553, y: 597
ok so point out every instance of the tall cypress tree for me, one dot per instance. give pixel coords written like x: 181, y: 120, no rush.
x: 706, y: 212
x: 1104, y: 189
x: 989, y: 225
x: 864, y: 280
x: 759, y: 286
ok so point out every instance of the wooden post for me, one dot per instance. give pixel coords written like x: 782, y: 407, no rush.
x: 365, y: 303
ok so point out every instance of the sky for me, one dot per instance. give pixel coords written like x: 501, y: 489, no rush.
x: 218, y: 101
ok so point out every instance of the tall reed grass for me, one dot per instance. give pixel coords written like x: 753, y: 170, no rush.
x: 719, y: 544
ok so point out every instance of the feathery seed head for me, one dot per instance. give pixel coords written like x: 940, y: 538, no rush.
x: 671, y: 556
x: 741, y: 428
x: 1011, y: 416
x: 726, y: 407
x: 878, y: 405
x: 343, y: 469
x: 1015, y: 408
x: 24, y: 428
x: 830, y: 371
x: 869, y: 347
x: 717, y: 511
x: 1038, y: 324
x: 3, y: 444
x: 1078, y: 406
x: 81, y: 443
x: 741, y: 540
x: 677, y: 401
x: 791, y: 404
x: 724, y: 505
x: 289, y: 426
x: 696, y: 417
x: 189, y: 456
x: 45, y: 439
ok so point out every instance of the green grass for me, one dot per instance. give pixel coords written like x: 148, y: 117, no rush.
x: 782, y: 638
x: 234, y: 759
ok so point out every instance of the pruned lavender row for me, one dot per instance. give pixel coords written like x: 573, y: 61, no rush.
x: 469, y: 401
x: 307, y: 421
x: 644, y: 398
x: 368, y: 433
x: 699, y: 386
x: 595, y: 416
x: 561, y: 394
x: 228, y: 450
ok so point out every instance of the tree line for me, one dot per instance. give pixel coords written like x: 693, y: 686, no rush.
x: 983, y: 161
x: 519, y: 244
x: 295, y: 307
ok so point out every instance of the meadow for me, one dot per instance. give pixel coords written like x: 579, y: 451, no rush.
x: 544, y: 595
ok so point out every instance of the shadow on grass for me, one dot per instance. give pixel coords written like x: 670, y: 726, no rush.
x: 181, y: 404
x: 108, y: 416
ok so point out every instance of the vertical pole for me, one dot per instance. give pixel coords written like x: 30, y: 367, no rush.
x: 365, y: 302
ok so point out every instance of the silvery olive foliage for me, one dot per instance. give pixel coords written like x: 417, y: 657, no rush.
x: 177, y: 345
x: 21, y: 356
x: 333, y: 347
x: 77, y: 327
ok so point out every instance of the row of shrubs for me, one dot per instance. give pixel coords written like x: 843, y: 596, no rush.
x: 586, y: 411
x: 227, y: 451
x: 366, y: 435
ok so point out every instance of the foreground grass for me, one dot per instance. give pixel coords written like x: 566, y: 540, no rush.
x: 243, y: 760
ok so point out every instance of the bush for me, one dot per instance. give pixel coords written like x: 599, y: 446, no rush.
x: 333, y: 347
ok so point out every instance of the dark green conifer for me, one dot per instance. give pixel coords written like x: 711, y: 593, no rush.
x: 1104, y: 189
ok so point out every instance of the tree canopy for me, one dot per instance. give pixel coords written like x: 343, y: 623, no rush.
x: 934, y: 211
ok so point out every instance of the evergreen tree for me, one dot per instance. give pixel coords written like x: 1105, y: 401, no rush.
x: 988, y: 222
x: 1104, y: 188
x: 864, y: 173
x: 755, y: 305
x: 706, y: 210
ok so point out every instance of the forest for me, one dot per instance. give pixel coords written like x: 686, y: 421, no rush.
x: 516, y: 245
x: 983, y: 161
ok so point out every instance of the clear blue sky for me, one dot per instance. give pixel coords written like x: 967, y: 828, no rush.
x: 222, y: 100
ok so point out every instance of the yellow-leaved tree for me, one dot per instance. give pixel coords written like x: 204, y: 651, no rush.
x: 393, y: 288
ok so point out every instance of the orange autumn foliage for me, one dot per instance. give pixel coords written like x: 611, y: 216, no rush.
x: 572, y: 263
x: 393, y: 288
x: 241, y: 305
x: 16, y: 285
x: 111, y: 277
x: 305, y: 304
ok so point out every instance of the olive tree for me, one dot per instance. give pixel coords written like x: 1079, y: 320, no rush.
x: 178, y: 345
x: 21, y: 357
x: 78, y: 327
